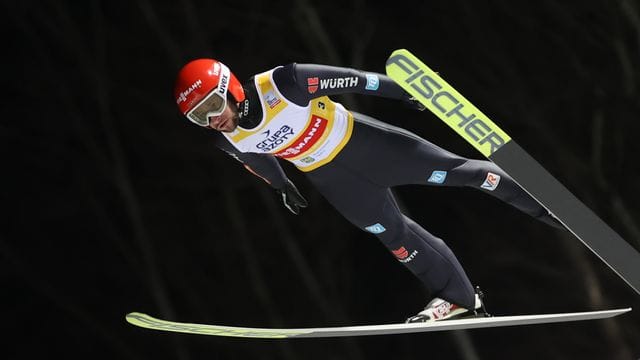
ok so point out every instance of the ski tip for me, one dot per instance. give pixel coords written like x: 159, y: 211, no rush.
x: 137, y: 318
x: 602, y: 314
x: 134, y: 314
x: 402, y: 53
x: 619, y: 311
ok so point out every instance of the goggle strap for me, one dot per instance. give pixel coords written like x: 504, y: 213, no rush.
x: 225, y: 79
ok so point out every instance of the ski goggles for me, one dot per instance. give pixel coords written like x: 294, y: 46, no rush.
x: 214, y: 103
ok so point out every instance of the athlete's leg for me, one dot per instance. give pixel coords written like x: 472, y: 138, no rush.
x: 488, y: 177
x: 402, y: 157
x: 373, y: 208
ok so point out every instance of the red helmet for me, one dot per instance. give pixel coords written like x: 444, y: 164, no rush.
x: 195, y: 85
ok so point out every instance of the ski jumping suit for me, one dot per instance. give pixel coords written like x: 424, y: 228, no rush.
x: 354, y: 160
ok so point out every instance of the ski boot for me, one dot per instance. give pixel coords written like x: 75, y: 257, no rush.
x: 439, y: 309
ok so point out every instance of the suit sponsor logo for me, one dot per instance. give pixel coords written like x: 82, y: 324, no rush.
x: 309, y: 137
x: 400, y: 253
x: 312, y: 85
x: 275, y: 140
x: 339, y: 83
x: 375, y: 228
x: 437, y: 177
x: 373, y: 82
x: 403, y: 255
x: 272, y: 99
x: 491, y: 181
x: 315, y: 83
x: 245, y: 107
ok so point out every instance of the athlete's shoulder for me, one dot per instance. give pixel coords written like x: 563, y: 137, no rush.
x: 300, y: 73
x: 288, y: 82
x: 284, y: 75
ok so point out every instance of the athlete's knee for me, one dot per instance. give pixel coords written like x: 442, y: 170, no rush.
x: 475, y: 173
x: 377, y: 228
x: 388, y: 230
x: 487, y: 176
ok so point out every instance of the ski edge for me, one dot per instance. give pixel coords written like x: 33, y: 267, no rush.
x: 150, y: 322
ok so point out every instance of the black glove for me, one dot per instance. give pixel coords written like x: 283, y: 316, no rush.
x: 291, y: 197
x: 411, y: 102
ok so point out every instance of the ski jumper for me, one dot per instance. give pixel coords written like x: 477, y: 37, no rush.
x: 353, y: 160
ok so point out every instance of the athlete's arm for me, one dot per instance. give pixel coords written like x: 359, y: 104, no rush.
x: 264, y: 166
x: 302, y: 82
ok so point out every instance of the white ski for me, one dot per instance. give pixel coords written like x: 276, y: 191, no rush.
x: 146, y: 321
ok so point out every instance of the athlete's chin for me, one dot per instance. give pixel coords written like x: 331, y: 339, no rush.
x: 230, y: 125
x: 224, y: 125
x: 228, y: 129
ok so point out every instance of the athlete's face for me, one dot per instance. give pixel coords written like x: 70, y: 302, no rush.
x: 228, y: 120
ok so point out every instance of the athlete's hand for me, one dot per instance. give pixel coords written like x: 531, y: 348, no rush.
x: 411, y: 102
x: 292, y: 198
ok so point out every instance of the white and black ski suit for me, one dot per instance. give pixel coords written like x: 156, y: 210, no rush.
x: 354, y: 160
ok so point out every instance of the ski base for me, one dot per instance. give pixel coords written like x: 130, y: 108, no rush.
x: 149, y: 322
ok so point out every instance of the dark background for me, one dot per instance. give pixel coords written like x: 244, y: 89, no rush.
x: 113, y: 202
